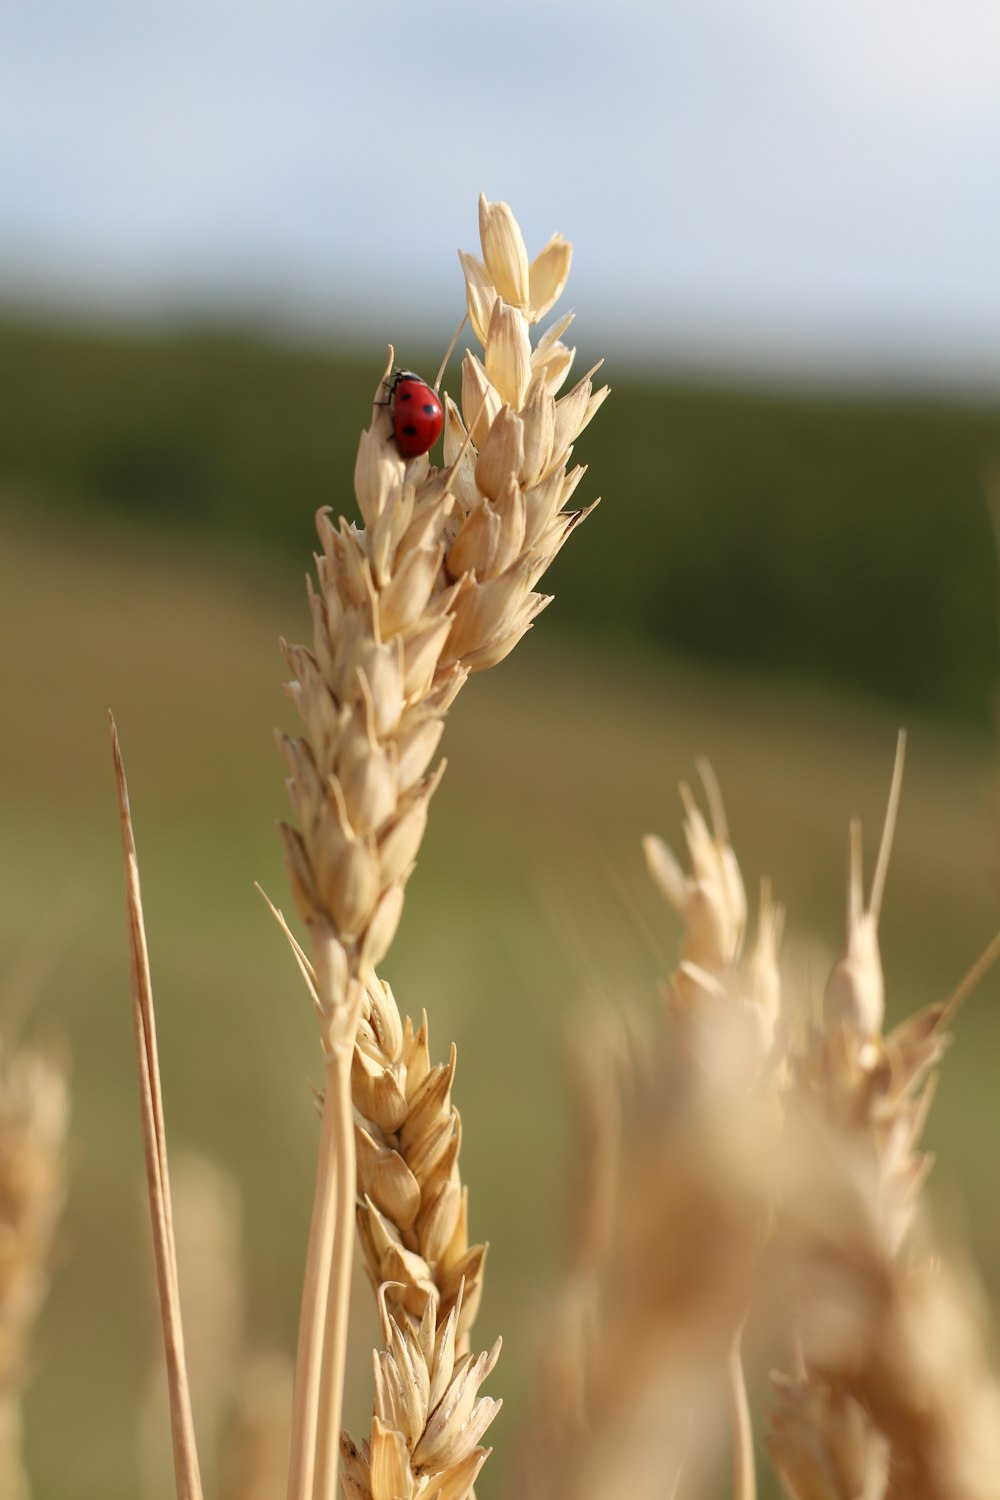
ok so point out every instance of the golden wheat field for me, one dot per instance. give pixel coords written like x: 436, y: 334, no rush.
x: 745, y: 1172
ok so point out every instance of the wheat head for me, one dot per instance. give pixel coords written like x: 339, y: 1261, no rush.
x: 439, y: 583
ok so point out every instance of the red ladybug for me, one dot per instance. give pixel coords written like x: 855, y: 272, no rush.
x: 417, y: 414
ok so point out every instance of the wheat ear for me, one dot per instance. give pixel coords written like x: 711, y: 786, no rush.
x: 439, y: 583
x: 863, y: 1098
x: 675, y: 1182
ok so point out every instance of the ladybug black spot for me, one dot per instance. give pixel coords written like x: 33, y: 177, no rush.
x: 405, y: 396
x: 410, y: 430
x: 428, y: 409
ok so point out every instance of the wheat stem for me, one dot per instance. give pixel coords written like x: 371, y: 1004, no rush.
x: 744, y: 1473
x: 186, y: 1473
x: 312, y: 1318
x: 331, y: 1391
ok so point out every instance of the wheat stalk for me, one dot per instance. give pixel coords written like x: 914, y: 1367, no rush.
x: 186, y: 1471
x: 438, y: 584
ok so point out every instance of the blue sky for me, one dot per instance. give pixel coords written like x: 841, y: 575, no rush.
x: 804, y: 185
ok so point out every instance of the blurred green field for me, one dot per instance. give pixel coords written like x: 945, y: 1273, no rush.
x: 797, y: 533
x: 529, y: 900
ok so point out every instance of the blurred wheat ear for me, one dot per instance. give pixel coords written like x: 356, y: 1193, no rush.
x: 759, y: 1182
x: 34, y: 1114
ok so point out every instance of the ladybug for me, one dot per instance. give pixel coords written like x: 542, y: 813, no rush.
x: 417, y: 414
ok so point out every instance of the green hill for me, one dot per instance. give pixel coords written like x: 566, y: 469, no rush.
x: 829, y: 539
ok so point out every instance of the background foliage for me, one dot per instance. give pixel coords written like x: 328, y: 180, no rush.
x: 821, y: 536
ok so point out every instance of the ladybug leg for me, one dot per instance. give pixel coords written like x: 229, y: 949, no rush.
x: 389, y: 386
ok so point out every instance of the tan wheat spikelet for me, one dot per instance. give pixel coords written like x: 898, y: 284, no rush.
x: 428, y: 1417
x: 723, y: 1001
x: 825, y: 1445
x: 413, y: 1214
